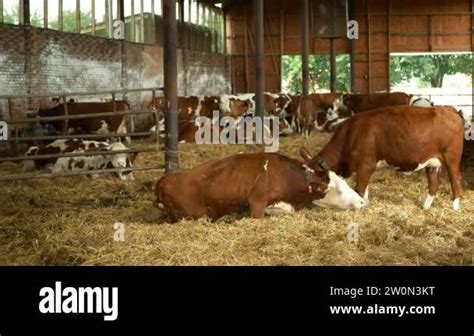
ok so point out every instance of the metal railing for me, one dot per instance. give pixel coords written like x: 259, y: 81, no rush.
x: 66, y: 117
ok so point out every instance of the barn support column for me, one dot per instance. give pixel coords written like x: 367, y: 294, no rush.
x: 332, y: 50
x: 305, y: 45
x: 259, y: 57
x: 171, y: 85
x: 352, y: 46
x: 25, y: 14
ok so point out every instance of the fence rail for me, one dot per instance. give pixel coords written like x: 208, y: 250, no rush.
x: 66, y: 117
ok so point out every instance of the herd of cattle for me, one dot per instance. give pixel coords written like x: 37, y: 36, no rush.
x: 371, y: 131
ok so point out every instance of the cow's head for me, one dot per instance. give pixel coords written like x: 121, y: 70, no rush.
x: 338, y: 194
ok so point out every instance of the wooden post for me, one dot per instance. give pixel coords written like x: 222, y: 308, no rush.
x: 171, y: 84
x: 369, y: 56
x: 305, y: 46
x: 258, y: 17
x: 1, y: 10
x: 153, y: 22
x: 78, y: 16
x: 133, y: 38
x: 332, y: 51
x: 26, y: 12
x: 93, y: 17
x: 60, y: 15
x: 45, y: 13
x: 142, y: 22
x: 352, y: 45
x: 389, y: 44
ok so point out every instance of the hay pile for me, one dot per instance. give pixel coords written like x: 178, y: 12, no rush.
x: 69, y: 221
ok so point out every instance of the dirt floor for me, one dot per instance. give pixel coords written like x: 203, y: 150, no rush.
x: 70, y: 221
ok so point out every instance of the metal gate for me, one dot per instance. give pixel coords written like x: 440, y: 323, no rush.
x: 66, y: 117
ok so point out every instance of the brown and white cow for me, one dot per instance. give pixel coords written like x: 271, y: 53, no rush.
x: 243, y: 182
x: 406, y: 137
x: 325, y: 100
x: 356, y: 103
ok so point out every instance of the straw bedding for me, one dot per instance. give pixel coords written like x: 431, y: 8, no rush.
x: 70, y: 221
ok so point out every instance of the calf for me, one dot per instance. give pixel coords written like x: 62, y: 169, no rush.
x: 406, y: 137
x: 259, y: 180
x: 59, y: 146
x: 98, y: 162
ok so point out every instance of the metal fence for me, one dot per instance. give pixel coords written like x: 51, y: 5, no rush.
x: 16, y: 139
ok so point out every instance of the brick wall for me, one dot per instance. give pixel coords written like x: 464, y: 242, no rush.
x: 42, y: 61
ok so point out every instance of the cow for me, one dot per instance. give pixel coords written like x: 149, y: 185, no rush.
x: 421, y: 102
x: 258, y: 181
x: 306, y: 116
x: 269, y: 105
x: 118, y: 124
x: 406, y: 137
x: 325, y: 100
x: 356, y: 103
x: 106, y: 160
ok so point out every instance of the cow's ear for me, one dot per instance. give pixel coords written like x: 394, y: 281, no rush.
x: 305, y: 154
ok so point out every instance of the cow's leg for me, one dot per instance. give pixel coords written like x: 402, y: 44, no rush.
x: 454, y: 170
x: 434, y: 180
x: 364, y: 172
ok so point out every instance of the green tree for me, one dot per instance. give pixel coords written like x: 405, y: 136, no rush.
x: 13, y: 16
x: 430, y: 69
x: 319, y: 72
x: 36, y: 19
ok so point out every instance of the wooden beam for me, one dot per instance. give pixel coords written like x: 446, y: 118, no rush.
x: 369, y: 86
x: 305, y: 45
x: 133, y: 21
x: 389, y: 44
x: 258, y: 19
x: 78, y: 16
x: 45, y: 13
x: 93, y: 16
x: 275, y: 65
x: 1, y: 10
x: 60, y: 15
x: 142, y: 22
x: 153, y: 22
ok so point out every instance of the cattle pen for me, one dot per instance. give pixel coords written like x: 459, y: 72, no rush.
x: 245, y: 53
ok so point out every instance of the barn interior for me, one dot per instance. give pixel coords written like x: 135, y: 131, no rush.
x: 197, y: 48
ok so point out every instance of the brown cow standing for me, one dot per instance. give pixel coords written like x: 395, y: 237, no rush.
x: 237, y: 183
x: 87, y: 125
x: 357, y: 103
x: 407, y: 137
x: 306, y: 116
